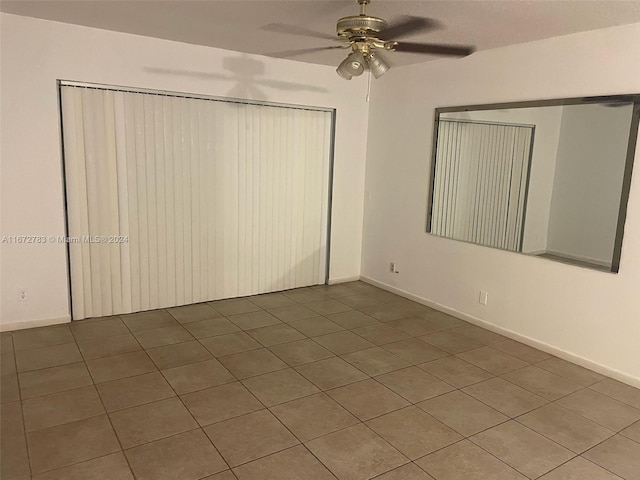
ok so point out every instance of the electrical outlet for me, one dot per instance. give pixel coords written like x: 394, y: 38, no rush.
x: 484, y: 298
x: 22, y: 295
x: 393, y: 267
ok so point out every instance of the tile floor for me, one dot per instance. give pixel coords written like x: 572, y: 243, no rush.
x: 347, y: 382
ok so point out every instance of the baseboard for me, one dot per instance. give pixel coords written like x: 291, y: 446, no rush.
x: 335, y: 281
x: 43, y: 322
x: 545, y: 347
x: 578, y: 258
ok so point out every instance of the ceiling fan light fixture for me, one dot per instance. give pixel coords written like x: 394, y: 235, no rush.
x: 352, y: 66
x: 378, y: 65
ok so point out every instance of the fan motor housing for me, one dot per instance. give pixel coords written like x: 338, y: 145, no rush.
x: 359, y: 25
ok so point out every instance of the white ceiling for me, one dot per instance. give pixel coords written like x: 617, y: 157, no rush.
x: 239, y: 25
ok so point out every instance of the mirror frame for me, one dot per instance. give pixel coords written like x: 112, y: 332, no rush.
x: 628, y: 168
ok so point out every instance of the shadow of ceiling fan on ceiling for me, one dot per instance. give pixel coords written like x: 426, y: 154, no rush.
x: 246, y: 73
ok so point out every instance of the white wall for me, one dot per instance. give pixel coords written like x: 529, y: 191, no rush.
x: 35, y: 53
x: 587, y: 315
x: 543, y: 164
x: 592, y: 153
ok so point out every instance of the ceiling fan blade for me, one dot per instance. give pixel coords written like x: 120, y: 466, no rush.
x: 407, y: 25
x: 295, y: 30
x: 434, y: 49
x: 293, y: 53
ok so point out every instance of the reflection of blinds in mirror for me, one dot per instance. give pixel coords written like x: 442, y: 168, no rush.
x: 480, y: 182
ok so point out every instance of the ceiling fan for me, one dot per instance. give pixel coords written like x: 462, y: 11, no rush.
x: 368, y: 36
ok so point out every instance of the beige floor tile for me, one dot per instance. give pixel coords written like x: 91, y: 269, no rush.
x: 442, y: 319
x: 313, y: 416
x: 570, y: 371
x: 9, y: 391
x: 565, y: 427
x: 413, y: 432
x: 251, y: 320
x: 381, y: 334
x: 6, y: 342
x: 193, y: 313
x: 328, y: 307
x: 416, y: 326
x: 466, y: 461
x: 505, y: 397
x: 306, y: 295
x: 367, y: 399
x: 618, y: 455
x: 463, y: 413
x: 134, y: 391
x: 108, y: 346
x: 158, y: 337
x: 15, y: 461
x: 46, y: 357
x: 455, y: 372
x: 618, y: 390
x: 229, y: 344
x: 295, y: 463
x: 335, y: 291
x: 316, y: 326
x: 186, y: 456
x: 42, y: 337
x: 153, y: 421
x: 406, y: 472
x: 632, y: 432
x: 601, y: 409
x: 279, y: 387
x: 384, y: 312
x: 290, y: 313
x: 352, y: 319
x: 415, y: 351
x: 301, y: 352
x: 252, y: 436
x: 197, y: 376
x: 343, y: 342
x: 451, y: 342
x: 179, y: 354
x: 360, y: 301
x: 8, y: 364
x: 110, y: 467
x: 478, y: 334
x: 120, y: 366
x: 356, y: 453
x: 221, y: 403
x: 71, y: 443
x: 579, y: 469
x: 541, y: 382
x: 211, y: 327
x: 521, y: 351
x: 226, y: 475
x: 59, y: 408
x: 330, y: 373
x: 13, y: 447
x: 363, y: 287
x: 275, y: 335
x: 52, y: 380
x: 100, y: 327
x: 252, y: 363
x: 234, y: 306
x: 414, y: 384
x: 492, y: 360
x: 271, y: 300
x: 375, y: 361
x: 522, y: 448
x: 137, y: 322
x: 411, y: 308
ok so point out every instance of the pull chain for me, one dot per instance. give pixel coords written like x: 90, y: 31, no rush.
x: 369, y: 87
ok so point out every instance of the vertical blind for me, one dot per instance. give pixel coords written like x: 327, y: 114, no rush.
x: 480, y: 182
x: 174, y: 200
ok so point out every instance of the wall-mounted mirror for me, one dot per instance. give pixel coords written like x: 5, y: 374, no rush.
x: 548, y: 178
